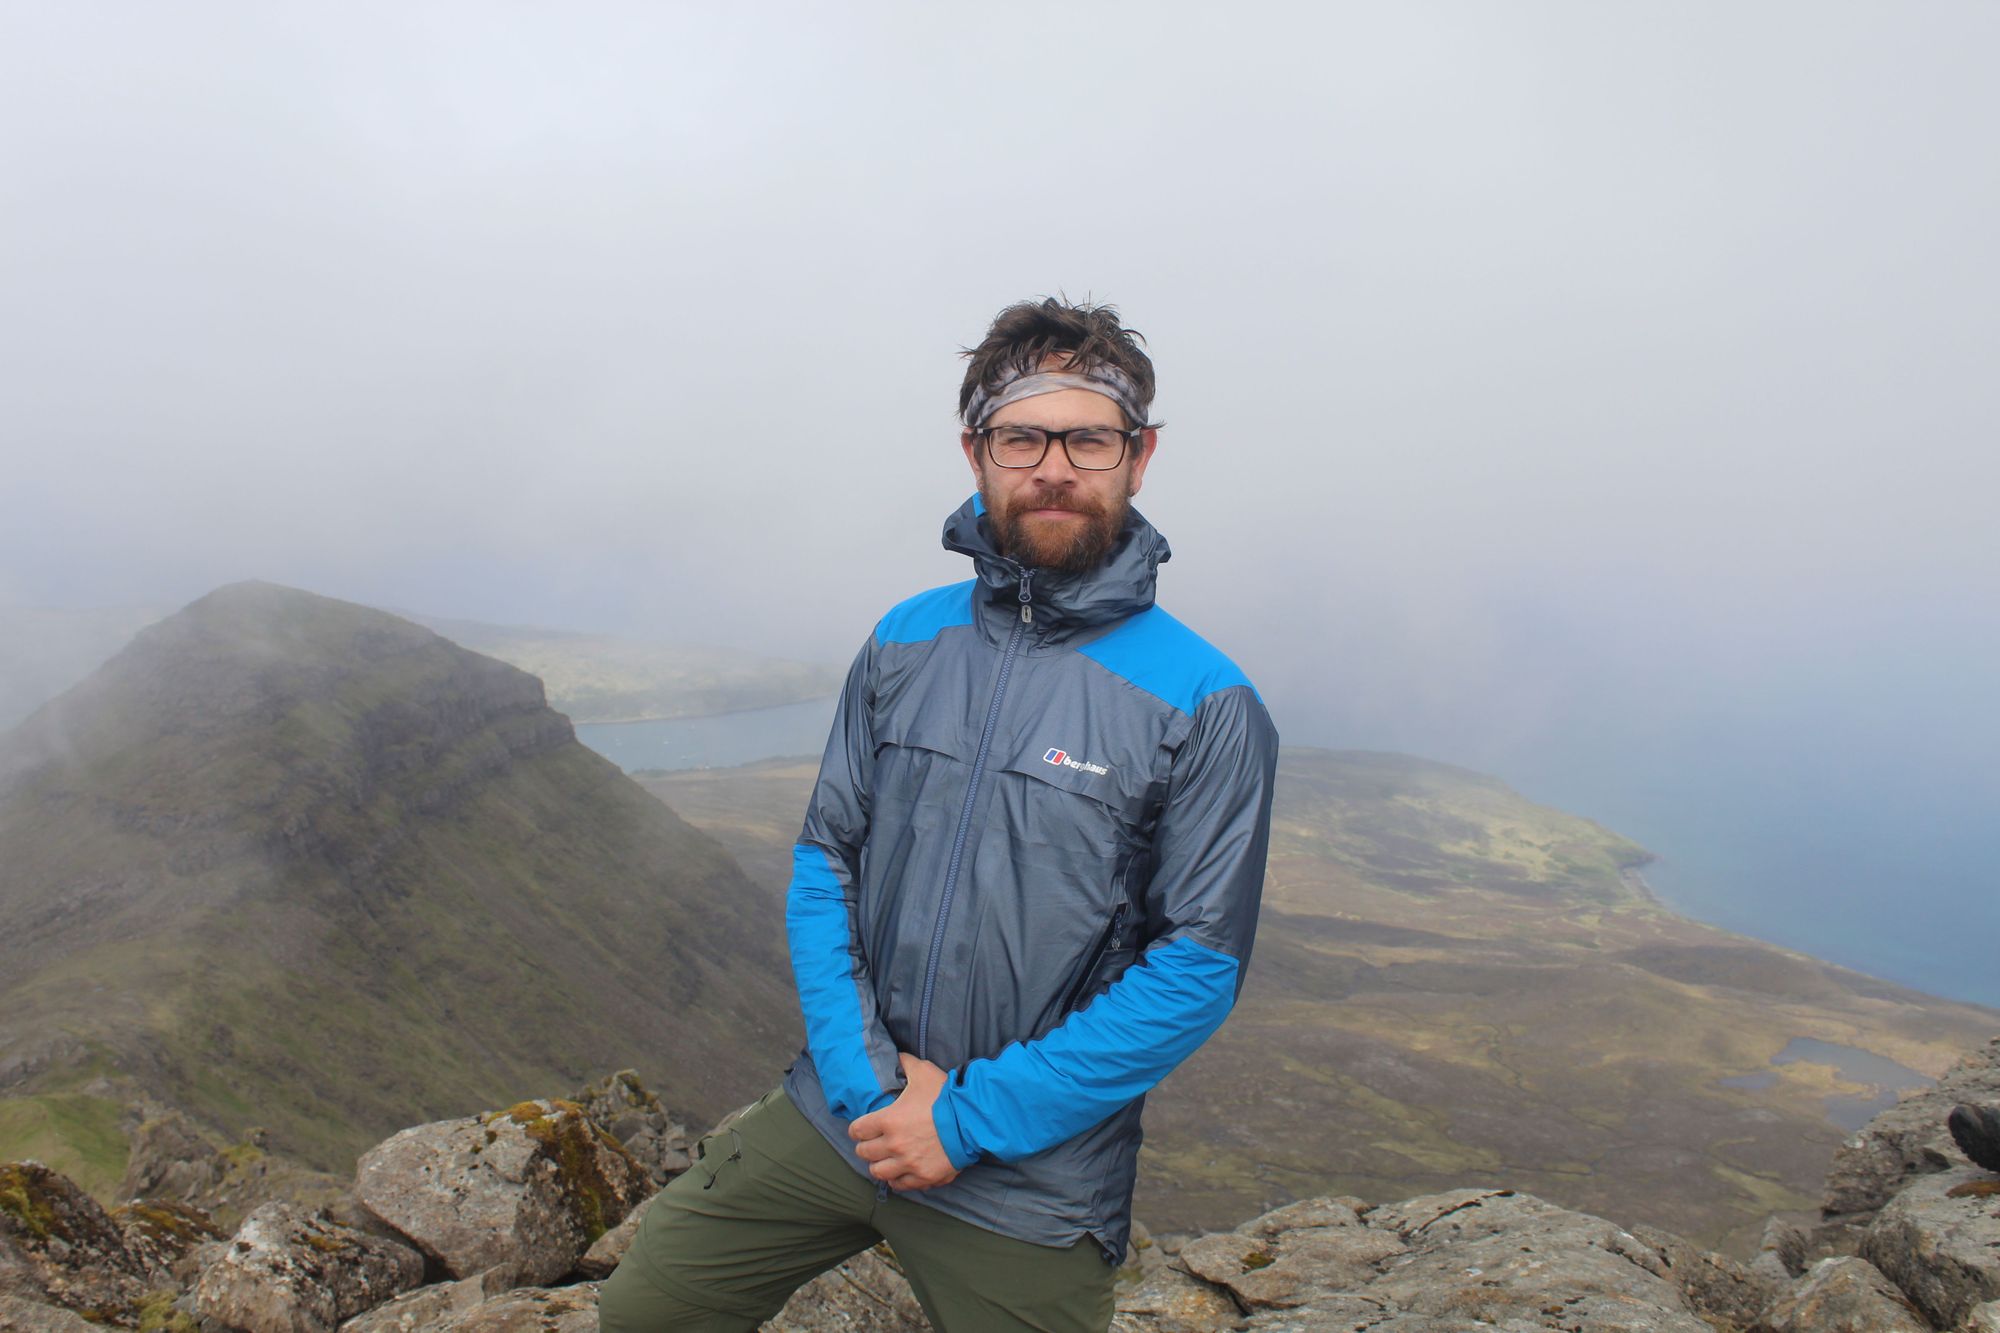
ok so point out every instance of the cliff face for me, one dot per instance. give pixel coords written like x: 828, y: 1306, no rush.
x: 294, y: 862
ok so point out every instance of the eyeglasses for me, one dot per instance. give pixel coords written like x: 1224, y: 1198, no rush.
x: 1088, y: 448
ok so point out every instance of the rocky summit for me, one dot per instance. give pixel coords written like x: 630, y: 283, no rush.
x: 506, y: 1222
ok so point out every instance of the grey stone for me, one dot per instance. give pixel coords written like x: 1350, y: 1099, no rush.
x: 1984, y: 1318
x: 1273, y: 1267
x: 58, y: 1246
x: 1715, y: 1286
x: 25, y: 1316
x: 1939, y: 1240
x: 866, y: 1294
x: 1168, y: 1300
x: 531, y: 1187
x: 531, y: 1310
x: 288, y: 1270
x: 1843, y: 1295
x: 428, y: 1307
x: 1907, y: 1140
x: 605, y: 1252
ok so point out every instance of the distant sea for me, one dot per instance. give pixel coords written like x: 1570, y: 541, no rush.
x: 1885, y: 868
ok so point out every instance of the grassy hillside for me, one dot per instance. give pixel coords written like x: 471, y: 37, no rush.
x: 290, y: 862
x: 1453, y: 986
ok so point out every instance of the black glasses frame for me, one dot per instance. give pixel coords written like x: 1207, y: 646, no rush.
x: 1125, y: 437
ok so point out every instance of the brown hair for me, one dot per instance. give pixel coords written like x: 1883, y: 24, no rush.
x: 1026, y: 334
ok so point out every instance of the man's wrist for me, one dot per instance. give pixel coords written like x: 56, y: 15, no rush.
x: 944, y: 1118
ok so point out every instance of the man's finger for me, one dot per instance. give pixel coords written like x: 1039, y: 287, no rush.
x: 867, y: 1127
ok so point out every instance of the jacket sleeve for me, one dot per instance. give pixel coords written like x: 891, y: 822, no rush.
x: 1209, y: 852
x: 851, y: 1051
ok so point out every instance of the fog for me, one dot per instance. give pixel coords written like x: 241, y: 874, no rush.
x: 1599, y: 395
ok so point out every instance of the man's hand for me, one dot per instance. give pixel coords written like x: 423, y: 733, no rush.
x: 900, y: 1142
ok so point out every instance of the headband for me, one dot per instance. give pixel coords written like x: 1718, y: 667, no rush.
x: 1012, y: 386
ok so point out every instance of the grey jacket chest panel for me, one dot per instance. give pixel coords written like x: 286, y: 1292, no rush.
x: 1053, y: 846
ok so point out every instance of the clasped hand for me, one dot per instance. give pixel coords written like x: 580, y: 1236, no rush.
x: 900, y: 1142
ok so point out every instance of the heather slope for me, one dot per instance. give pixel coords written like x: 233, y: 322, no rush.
x: 292, y: 862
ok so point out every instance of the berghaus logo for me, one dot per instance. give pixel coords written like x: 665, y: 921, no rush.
x: 1061, y: 759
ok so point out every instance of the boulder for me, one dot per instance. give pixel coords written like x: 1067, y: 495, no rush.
x: 531, y: 1310
x: 288, y: 1270
x: 865, y: 1294
x: 632, y: 1114
x: 59, y: 1247
x: 1843, y: 1295
x: 1716, y: 1287
x: 1286, y: 1268
x: 161, y: 1233
x: 428, y: 1307
x: 1985, y: 1318
x: 1909, y: 1139
x: 25, y: 1316
x: 530, y: 1188
x: 604, y: 1253
x: 1939, y: 1240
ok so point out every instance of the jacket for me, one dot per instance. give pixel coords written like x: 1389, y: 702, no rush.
x: 1033, y: 856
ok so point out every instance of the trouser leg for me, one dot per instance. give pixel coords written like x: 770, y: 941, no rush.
x: 768, y: 1206
x: 971, y: 1280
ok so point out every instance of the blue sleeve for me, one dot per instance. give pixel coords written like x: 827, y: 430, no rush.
x: 851, y: 1051
x: 1201, y: 906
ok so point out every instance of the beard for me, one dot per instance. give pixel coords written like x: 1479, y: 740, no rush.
x: 1057, y: 544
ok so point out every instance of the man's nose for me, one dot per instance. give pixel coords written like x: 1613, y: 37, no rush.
x: 1055, y: 468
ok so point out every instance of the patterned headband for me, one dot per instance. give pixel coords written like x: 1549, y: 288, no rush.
x: 1013, y: 386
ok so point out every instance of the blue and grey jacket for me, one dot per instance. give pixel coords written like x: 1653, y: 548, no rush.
x: 1033, y: 857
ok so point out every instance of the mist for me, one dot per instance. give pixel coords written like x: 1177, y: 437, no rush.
x: 1599, y: 396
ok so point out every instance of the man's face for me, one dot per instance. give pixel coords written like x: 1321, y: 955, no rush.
x: 1055, y: 515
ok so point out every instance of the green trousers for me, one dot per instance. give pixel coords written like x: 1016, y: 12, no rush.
x: 770, y: 1204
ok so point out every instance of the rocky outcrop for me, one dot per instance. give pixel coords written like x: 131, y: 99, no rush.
x: 1939, y: 1241
x: 527, y: 1189
x: 624, y: 1108
x: 291, y: 1271
x: 1911, y: 1138
x: 59, y: 1247
x: 1843, y: 1295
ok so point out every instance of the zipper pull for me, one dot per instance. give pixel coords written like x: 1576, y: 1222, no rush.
x: 1117, y: 926
x: 1027, y: 611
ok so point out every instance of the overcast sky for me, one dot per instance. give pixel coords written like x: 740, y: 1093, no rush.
x: 1538, y: 377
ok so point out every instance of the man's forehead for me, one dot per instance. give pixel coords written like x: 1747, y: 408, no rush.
x: 1078, y: 406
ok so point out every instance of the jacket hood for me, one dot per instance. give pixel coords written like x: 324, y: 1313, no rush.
x: 1120, y: 587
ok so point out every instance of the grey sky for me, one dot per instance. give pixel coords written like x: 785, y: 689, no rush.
x: 1526, y: 366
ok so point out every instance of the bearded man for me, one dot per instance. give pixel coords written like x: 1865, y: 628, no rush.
x: 1026, y: 889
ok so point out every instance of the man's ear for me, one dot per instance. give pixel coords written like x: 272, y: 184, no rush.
x: 970, y: 443
x: 1149, y: 440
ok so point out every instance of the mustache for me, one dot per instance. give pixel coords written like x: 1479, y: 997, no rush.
x: 1052, y: 498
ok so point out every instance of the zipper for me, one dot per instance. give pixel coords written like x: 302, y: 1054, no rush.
x: 1105, y: 944
x: 965, y: 816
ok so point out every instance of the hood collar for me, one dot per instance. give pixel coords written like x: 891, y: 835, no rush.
x: 1120, y: 587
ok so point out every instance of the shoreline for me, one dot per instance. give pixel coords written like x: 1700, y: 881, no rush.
x: 695, y: 717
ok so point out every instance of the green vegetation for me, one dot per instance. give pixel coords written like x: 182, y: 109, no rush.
x: 72, y: 1133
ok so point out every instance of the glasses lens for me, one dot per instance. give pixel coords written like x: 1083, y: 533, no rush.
x: 1017, y: 446
x: 1096, y: 449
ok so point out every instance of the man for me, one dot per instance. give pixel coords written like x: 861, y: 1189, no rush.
x: 1026, y: 889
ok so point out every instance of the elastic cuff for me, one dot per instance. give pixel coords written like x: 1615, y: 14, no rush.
x: 944, y: 1117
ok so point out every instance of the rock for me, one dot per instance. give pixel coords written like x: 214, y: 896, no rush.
x: 531, y: 1310
x: 428, y: 1307
x: 605, y: 1252
x: 1716, y: 1287
x: 865, y: 1294
x: 1908, y: 1139
x: 25, y: 1316
x: 170, y: 1157
x: 1843, y: 1295
x: 531, y: 1187
x: 1985, y: 1318
x: 1939, y: 1240
x: 1171, y: 1301
x: 633, y: 1115
x: 59, y: 1247
x: 1976, y: 1131
x: 1781, y: 1255
x: 1499, y: 1256
x: 160, y: 1233
x: 288, y: 1270
x: 1285, y: 1268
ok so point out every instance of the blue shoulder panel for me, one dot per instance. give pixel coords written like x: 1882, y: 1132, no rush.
x: 921, y: 617
x: 1166, y: 659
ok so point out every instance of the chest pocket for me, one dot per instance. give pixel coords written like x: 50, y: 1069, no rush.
x: 1076, y: 804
